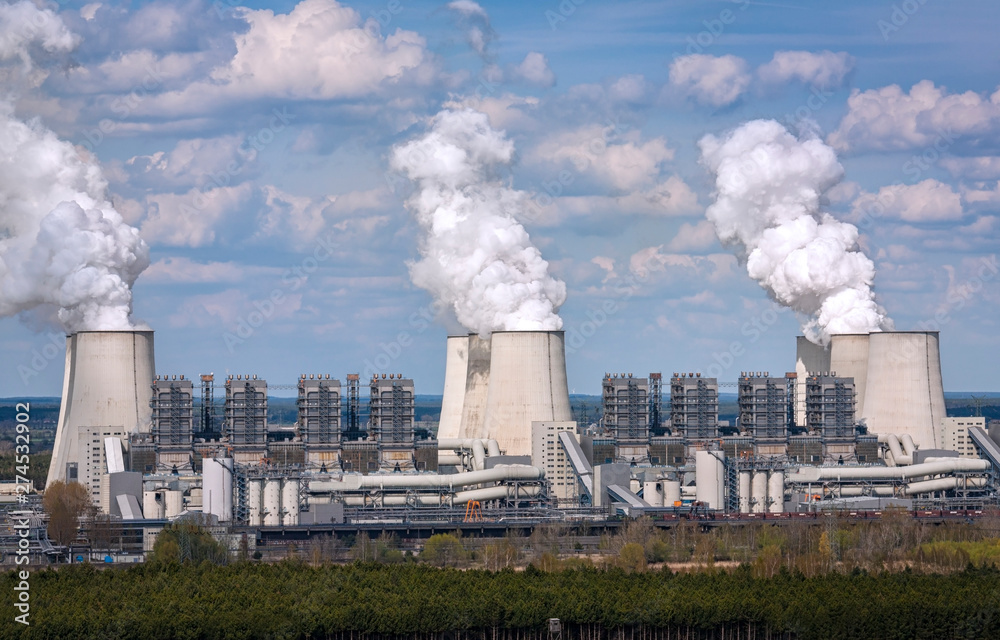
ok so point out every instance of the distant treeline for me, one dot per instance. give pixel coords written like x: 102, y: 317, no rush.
x: 378, y: 602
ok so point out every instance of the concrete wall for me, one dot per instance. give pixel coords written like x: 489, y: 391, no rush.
x: 456, y: 368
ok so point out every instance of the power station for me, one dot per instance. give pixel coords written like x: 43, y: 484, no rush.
x: 860, y: 420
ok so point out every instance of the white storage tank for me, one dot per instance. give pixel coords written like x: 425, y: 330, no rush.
x: 255, y: 498
x: 671, y: 492
x: 272, y: 502
x: 652, y: 493
x: 776, y: 492
x: 174, y: 503
x: 758, y: 492
x: 217, y: 481
x: 710, y: 478
x: 153, y: 505
x: 290, y: 502
x: 745, y: 491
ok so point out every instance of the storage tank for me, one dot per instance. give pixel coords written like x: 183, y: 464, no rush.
x: 745, y: 491
x: 710, y: 485
x: 477, y: 382
x: 456, y: 369
x: 290, y: 502
x: 671, y: 492
x: 107, y: 381
x: 776, y: 492
x: 849, y: 359
x: 758, y: 492
x: 809, y: 357
x: 527, y: 383
x: 153, y: 506
x: 272, y: 502
x: 173, y: 503
x: 255, y: 501
x: 652, y: 493
x: 904, y: 392
x: 217, y: 480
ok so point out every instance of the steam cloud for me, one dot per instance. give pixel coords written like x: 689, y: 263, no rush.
x: 65, y: 254
x: 769, y: 184
x: 477, y: 259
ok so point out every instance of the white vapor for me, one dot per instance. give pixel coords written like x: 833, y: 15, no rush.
x: 66, y: 255
x: 477, y: 260
x: 768, y: 189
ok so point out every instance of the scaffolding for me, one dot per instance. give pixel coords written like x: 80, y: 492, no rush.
x: 830, y: 405
x: 391, y: 406
x: 656, y: 405
x: 764, y: 406
x: 172, y: 408
x: 694, y: 406
x: 626, y: 408
x: 353, y: 421
x: 246, y: 411
x: 208, y: 416
x: 319, y: 410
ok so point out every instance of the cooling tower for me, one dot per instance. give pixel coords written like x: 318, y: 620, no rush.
x: 849, y: 358
x: 904, y: 392
x: 476, y: 385
x: 809, y: 357
x: 107, y: 382
x: 527, y: 383
x: 456, y: 369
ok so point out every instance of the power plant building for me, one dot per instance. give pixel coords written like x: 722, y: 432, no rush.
x: 626, y: 414
x: 172, y: 408
x: 694, y: 406
x: 764, y: 405
x: 830, y: 405
x: 246, y: 417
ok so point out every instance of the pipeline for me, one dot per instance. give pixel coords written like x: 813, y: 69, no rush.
x: 942, y: 484
x: 840, y: 474
x: 480, y: 448
x: 499, y: 473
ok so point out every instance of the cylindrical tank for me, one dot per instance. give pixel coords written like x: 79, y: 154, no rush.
x: 745, y: 491
x: 710, y: 478
x: 809, y: 358
x: 849, y: 359
x: 456, y: 368
x: 776, y: 492
x: 272, y: 502
x: 290, y: 502
x: 173, y: 503
x: 758, y: 492
x: 477, y: 383
x: 527, y: 383
x: 217, y: 481
x: 153, y: 506
x: 671, y: 492
x: 652, y: 493
x: 255, y: 500
x: 107, y: 381
x: 904, y: 391
x: 196, y: 500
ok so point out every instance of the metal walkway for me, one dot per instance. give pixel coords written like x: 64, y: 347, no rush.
x: 579, y: 461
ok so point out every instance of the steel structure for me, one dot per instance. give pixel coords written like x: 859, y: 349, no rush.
x: 246, y: 411
x: 656, y: 404
x: 318, y: 406
x: 352, y: 423
x: 830, y: 405
x: 392, y: 409
x: 763, y: 403
x: 208, y: 414
x: 626, y: 408
x: 694, y: 406
x: 172, y: 409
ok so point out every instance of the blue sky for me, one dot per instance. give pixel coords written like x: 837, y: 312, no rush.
x: 249, y: 144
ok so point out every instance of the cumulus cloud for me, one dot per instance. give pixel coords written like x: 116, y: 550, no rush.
x: 693, y: 237
x: 889, y: 119
x: 192, y: 219
x: 976, y: 168
x: 534, y: 70
x: 926, y: 201
x: 710, y: 80
x: 823, y: 70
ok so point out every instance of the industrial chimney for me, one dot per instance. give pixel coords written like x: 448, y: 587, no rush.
x: 107, y: 385
x: 527, y: 383
x: 456, y: 367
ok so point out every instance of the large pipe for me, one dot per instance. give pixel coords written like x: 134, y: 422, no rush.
x: 494, y: 493
x: 500, y: 473
x: 840, y: 473
x: 895, y: 457
x: 478, y: 446
x: 942, y: 484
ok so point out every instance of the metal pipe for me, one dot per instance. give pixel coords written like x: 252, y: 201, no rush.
x: 499, y: 473
x: 897, y: 458
x: 494, y: 493
x: 942, y: 484
x: 840, y: 474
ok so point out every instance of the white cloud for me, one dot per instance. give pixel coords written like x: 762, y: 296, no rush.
x: 534, y: 69
x: 711, y: 80
x: 927, y: 201
x: 629, y: 88
x: 977, y: 168
x: 982, y: 196
x: 606, y: 263
x: 671, y: 197
x: 175, y: 270
x: 823, y: 70
x: 191, y: 219
x: 505, y: 111
x: 195, y: 162
x: 693, y: 237
x: 888, y: 119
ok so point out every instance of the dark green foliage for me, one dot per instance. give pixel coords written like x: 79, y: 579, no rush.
x: 188, y: 543
x: 378, y: 602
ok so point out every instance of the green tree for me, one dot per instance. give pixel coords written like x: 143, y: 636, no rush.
x: 65, y: 504
x: 183, y: 542
x: 443, y: 550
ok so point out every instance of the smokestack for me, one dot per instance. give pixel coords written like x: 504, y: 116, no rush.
x: 477, y: 383
x: 107, y: 382
x: 904, y: 392
x: 527, y: 383
x: 456, y: 368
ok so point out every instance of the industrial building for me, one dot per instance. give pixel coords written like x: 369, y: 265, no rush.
x: 507, y: 441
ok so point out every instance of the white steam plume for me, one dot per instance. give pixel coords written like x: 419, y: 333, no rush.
x: 769, y: 184
x: 477, y: 259
x: 66, y: 255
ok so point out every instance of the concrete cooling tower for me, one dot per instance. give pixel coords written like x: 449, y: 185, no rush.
x: 809, y: 358
x: 527, y: 383
x: 904, y: 392
x: 456, y: 369
x: 897, y: 375
x: 107, y: 384
x: 477, y: 382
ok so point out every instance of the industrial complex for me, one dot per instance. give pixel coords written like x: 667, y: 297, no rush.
x: 857, y: 424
